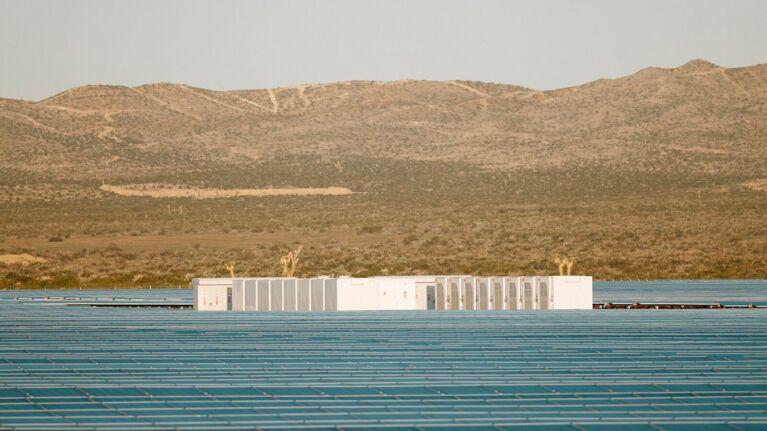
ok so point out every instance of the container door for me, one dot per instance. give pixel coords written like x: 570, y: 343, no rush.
x: 455, y: 294
x: 249, y: 291
x: 331, y: 294
x: 401, y: 297
x: 262, y: 295
x: 289, y: 293
x: 528, y: 294
x: 303, y: 295
x: 483, y: 293
x: 498, y: 296
x: 431, y: 299
x: 275, y: 295
x: 238, y: 300
x: 468, y: 293
x: 318, y: 288
x: 513, y: 294
x: 544, y: 294
x: 440, y: 293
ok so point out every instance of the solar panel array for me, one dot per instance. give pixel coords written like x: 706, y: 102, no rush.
x: 77, y: 368
x: 727, y: 292
x: 101, y: 295
x: 730, y: 292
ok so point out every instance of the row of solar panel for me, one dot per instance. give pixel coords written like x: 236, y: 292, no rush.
x: 371, y: 418
x: 611, y: 389
x: 310, y: 414
x: 666, y: 291
x: 311, y: 409
x: 401, y: 423
x: 541, y: 425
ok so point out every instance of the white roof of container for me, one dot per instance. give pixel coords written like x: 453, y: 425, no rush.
x: 408, y: 277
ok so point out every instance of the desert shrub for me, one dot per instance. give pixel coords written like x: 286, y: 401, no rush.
x: 370, y: 229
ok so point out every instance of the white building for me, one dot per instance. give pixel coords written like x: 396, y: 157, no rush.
x: 459, y: 292
x: 329, y: 294
x: 211, y: 294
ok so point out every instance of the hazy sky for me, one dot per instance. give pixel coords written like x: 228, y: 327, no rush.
x: 49, y: 46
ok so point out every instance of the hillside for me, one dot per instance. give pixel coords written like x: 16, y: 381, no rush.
x: 662, y: 173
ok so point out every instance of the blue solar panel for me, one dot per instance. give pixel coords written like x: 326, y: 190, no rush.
x: 405, y: 391
x: 232, y: 392
x: 289, y: 391
x: 113, y: 392
x: 612, y: 427
x: 73, y: 367
x: 462, y: 390
x: 728, y: 292
x: 561, y: 427
x: 11, y: 393
x: 348, y: 391
x: 521, y: 389
x: 394, y: 428
x: 54, y: 393
x: 19, y: 407
x: 172, y: 392
x: 696, y: 427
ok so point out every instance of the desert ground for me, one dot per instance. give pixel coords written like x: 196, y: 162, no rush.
x: 660, y: 174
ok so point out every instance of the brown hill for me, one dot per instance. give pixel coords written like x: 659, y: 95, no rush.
x: 657, y: 137
x: 698, y: 116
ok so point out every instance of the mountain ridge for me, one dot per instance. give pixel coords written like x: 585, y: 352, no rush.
x: 692, y: 66
x: 480, y: 123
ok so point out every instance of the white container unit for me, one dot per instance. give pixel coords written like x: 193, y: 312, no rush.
x: 565, y: 292
x: 416, y: 289
x: 394, y: 293
x: 504, y: 293
x: 279, y: 294
x: 477, y: 293
x: 384, y: 293
x: 211, y: 294
x: 330, y: 294
x: 244, y: 294
x: 357, y: 294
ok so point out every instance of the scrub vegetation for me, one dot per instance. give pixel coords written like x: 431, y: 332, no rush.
x: 656, y: 175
